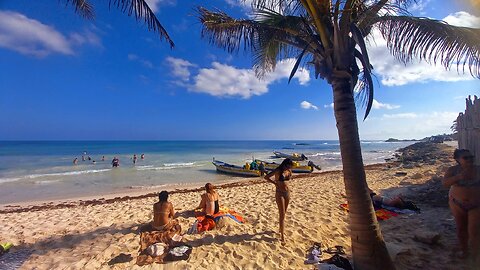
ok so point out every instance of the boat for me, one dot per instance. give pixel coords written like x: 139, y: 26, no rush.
x: 224, y: 167
x: 294, y: 156
x: 297, y: 168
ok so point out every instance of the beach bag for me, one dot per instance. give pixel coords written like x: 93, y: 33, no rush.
x: 206, y: 224
x: 178, y: 253
x: 339, y: 261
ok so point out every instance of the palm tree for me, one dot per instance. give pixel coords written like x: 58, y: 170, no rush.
x: 139, y: 8
x: 329, y: 37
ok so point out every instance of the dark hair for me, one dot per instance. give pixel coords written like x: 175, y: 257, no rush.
x: 209, y: 187
x: 163, y: 196
x: 285, y: 163
x: 461, y: 152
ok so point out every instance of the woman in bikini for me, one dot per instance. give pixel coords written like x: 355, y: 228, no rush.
x: 209, y: 203
x: 162, y: 212
x: 464, y: 200
x: 282, y: 194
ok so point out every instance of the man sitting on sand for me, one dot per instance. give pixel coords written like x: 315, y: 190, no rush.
x: 162, y: 212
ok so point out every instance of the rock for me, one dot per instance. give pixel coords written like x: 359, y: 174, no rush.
x: 395, y: 249
x: 408, y: 166
x: 429, y: 238
x: 404, y: 183
x: 416, y: 176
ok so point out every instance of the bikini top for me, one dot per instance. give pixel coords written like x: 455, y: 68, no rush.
x: 469, y: 182
x: 282, y: 178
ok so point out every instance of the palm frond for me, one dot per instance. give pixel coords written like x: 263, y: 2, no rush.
x: 226, y: 32
x: 364, y: 86
x: 142, y: 12
x: 83, y: 7
x: 433, y: 41
x: 271, y: 37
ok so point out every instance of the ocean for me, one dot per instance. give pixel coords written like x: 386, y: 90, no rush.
x: 44, y: 170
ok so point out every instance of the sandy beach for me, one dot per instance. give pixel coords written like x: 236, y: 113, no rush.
x: 88, y: 234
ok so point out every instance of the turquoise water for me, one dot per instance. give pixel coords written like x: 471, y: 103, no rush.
x: 42, y: 170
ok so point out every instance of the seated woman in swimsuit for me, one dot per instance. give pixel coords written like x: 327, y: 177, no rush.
x: 282, y: 194
x: 209, y: 204
x: 162, y: 212
x: 464, y: 200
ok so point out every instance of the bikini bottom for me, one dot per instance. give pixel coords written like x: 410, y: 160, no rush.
x: 285, y: 194
x: 465, y: 206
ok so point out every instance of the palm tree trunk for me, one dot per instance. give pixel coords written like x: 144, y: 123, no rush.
x: 368, y: 247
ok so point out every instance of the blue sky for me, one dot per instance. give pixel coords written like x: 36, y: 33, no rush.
x: 65, y: 78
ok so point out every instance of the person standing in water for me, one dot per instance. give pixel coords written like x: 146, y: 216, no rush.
x: 115, y: 162
x: 103, y: 158
x: 282, y: 193
x: 142, y: 156
x: 134, y: 158
x: 75, y: 161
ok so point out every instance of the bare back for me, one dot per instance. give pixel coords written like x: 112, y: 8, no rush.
x: 162, y: 212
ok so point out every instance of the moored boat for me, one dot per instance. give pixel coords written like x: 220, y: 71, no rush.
x: 294, y: 156
x: 233, y: 169
x: 297, y: 168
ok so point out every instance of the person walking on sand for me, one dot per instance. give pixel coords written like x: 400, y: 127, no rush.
x: 282, y: 193
x: 464, y: 200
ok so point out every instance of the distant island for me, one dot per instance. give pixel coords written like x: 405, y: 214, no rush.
x: 398, y: 140
x: 435, y: 138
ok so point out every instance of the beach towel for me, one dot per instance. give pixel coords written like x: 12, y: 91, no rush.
x: 208, y: 223
x: 382, y: 214
x: 149, y: 237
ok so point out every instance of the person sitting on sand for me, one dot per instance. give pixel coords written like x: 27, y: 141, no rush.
x: 162, y: 212
x: 282, y: 194
x: 463, y: 180
x: 209, y: 203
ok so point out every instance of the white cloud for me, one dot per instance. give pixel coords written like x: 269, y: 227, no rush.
x: 463, y: 18
x: 394, y: 73
x: 28, y: 36
x: 222, y: 80
x: 136, y: 58
x: 400, y: 115
x: 155, y: 4
x: 407, y: 125
x: 307, y: 105
x: 375, y: 105
x: 378, y: 105
x: 180, y: 68
x: 31, y: 37
x: 419, y: 6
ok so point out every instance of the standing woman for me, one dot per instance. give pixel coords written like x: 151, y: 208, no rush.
x: 282, y: 194
x: 464, y: 200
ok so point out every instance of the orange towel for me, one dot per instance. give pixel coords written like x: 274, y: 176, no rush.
x: 382, y: 214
